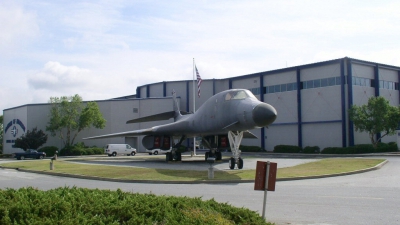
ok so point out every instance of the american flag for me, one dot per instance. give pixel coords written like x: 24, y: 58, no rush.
x: 199, y: 80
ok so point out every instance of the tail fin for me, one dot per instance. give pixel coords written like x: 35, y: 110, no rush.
x: 178, y: 114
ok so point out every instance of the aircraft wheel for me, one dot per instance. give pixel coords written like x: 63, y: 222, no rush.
x: 207, y: 155
x: 168, y: 157
x: 232, y: 163
x: 240, y: 164
x: 218, y: 155
x: 178, y: 156
x: 155, y: 152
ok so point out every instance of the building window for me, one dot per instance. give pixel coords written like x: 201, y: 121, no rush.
x: 389, y: 85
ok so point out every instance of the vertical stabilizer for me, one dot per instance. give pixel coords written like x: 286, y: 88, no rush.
x: 177, y: 114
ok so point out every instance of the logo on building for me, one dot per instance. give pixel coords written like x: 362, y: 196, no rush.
x: 14, y: 131
x: 13, y: 124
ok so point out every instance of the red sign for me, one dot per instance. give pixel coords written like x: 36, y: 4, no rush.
x: 156, y: 142
x: 166, y: 142
x: 224, y: 142
x: 261, y: 171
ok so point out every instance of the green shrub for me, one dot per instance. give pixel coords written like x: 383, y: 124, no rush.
x: 97, y: 150
x: 245, y: 148
x: 89, y: 151
x: 337, y: 150
x: 287, y: 149
x: 85, y: 206
x: 389, y: 147
x: 311, y: 150
x: 77, y: 151
x: 49, y: 150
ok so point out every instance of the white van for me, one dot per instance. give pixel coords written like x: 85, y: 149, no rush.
x: 157, y: 151
x: 119, y: 149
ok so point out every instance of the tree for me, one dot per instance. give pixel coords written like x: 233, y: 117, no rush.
x: 378, y: 116
x: 1, y: 134
x: 69, y: 116
x: 31, y: 139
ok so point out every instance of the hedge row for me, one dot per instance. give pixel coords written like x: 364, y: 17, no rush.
x: 76, y: 150
x: 244, y: 148
x: 364, y: 148
x: 86, y: 206
x: 357, y: 149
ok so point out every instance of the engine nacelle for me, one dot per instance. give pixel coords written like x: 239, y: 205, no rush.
x: 162, y: 142
x: 218, y: 141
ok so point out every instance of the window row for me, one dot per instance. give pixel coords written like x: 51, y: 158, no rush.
x: 388, y: 85
x: 280, y: 88
x: 361, y: 81
x: 332, y: 81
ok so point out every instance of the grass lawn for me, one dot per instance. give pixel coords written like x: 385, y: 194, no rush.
x: 324, y: 166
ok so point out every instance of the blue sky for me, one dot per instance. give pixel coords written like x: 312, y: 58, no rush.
x: 105, y: 49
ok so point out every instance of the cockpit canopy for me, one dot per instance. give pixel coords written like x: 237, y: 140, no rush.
x: 238, y: 95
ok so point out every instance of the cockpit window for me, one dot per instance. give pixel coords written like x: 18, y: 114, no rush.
x: 250, y: 94
x: 236, y: 95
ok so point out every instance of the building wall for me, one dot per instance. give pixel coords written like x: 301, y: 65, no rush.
x: 280, y: 135
x: 322, y: 135
x: 324, y: 109
x: 116, y: 113
x: 15, y: 124
x: 156, y: 90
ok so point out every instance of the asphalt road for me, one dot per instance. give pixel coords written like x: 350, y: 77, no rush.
x: 366, y: 198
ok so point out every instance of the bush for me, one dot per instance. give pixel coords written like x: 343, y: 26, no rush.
x: 244, y: 148
x: 362, y: 148
x: 337, y: 150
x: 389, y: 147
x: 81, y: 149
x: 5, y: 155
x: 287, y: 149
x: 49, y: 150
x: 97, y: 151
x: 311, y: 150
x: 84, y: 206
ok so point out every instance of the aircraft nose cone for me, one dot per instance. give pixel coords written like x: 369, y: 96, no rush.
x: 264, y: 114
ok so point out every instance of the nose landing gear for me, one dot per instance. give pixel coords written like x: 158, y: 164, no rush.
x: 234, y: 140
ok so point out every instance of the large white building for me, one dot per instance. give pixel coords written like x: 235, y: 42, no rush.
x: 312, y: 102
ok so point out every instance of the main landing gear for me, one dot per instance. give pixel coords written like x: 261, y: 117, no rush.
x: 213, y: 143
x: 214, y: 153
x: 175, y: 154
x: 234, y: 140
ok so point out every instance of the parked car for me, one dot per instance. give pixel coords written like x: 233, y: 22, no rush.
x: 119, y: 149
x: 157, y: 151
x: 29, y: 153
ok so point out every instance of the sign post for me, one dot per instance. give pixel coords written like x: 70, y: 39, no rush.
x: 265, y: 179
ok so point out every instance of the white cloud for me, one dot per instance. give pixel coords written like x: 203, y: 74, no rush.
x: 58, y: 77
x: 17, y: 26
x: 106, y: 49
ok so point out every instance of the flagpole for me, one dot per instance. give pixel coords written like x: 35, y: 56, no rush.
x: 194, y: 106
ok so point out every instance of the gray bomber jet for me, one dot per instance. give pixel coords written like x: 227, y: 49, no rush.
x: 224, y: 119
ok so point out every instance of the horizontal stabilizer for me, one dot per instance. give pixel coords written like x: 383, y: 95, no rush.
x: 156, y: 117
x: 248, y: 134
x: 134, y: 133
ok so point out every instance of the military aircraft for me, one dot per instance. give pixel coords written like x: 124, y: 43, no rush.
x: 228, y: 115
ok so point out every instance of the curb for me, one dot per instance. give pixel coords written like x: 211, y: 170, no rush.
x: 380, y: 165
